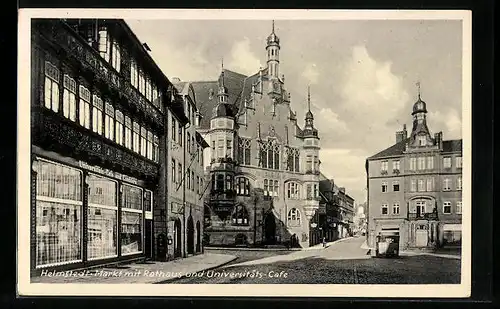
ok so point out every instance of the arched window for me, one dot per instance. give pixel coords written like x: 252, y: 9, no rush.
x: 243, y: 186
x: 294, y: 217
x: 240, y: 215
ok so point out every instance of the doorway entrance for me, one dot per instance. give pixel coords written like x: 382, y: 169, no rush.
x: 421, y: 236
x: 148, y: 241
x: 269, y: 229
x: 177, y: 238
x: 190, y: 236
x: 198, y: 237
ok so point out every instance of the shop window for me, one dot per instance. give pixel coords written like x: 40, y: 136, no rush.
x: 58, y: 214
x: 131, y: 223
x: 240, y: 215
x: 294, y: 217
x: 102, y: 218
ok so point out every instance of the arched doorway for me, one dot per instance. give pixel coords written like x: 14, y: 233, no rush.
x: 177, y: 238
x: 190, y: 235
x: 269, y: 229
x: 198, y: 237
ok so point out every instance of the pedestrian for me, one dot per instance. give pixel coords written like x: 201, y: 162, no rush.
x: 324, y: 242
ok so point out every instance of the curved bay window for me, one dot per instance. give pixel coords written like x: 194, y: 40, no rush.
x: 102, y: 218
x: 240, y: 215
x: 293, y: 217
x: 243, y: 186
x: 58, y: 214
x: 131, y: 225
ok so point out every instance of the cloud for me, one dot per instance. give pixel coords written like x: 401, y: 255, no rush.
x: 371, y: 95
x: 310, y: 74
x: 449, y: 122
x: 329, y: 122
x: 242, y: 59
x: 347, y: 168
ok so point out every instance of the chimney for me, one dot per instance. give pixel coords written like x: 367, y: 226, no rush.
x: 401, y: 135
x: 438, y: 139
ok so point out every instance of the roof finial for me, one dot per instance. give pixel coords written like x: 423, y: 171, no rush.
x: 273, y: 26
x: 309, y: 98
x: 222, y: 60
x: 418, y: 87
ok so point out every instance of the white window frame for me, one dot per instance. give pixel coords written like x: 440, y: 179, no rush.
x: 51, y: 87
x: 69, y: 97
x: 459, y: 208
x: 84, y: 98
x: 446, y: 184
x: 447, y: 162
x: 386, y: 207
x: 395, y: 208
x: 458, y: 161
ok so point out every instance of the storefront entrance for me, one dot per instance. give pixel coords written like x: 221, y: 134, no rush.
x: 269, y: 229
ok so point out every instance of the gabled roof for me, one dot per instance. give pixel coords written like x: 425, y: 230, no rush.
x: 399, y: 148
x: 206, y: 94
x: 394, y: 150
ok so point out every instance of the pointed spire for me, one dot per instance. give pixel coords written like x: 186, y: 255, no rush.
x: 418, y: 88
x: 309, y: 98
x: 222, y: 72
x: 273, y: 27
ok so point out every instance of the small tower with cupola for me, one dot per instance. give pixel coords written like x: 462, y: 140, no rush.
x: 273, y: 55
x: 311, y: 154
x: 222, y: 137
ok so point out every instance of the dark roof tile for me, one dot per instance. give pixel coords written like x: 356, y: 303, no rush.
x: 398, y: 149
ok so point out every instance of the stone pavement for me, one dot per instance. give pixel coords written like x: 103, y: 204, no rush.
x: 139, y: 272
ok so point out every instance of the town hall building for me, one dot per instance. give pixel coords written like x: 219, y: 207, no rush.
x: 262, y: 167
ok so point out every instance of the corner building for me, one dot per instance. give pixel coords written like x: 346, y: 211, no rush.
x: 98, y: 105
x: 263, y: 168
x: 415, y: 187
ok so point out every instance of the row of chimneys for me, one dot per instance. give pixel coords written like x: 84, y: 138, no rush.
x: 403, y: 135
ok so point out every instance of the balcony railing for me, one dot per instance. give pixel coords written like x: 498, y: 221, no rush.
x: 423, y: 216
x: 75, y: 47
x: 222, y: 195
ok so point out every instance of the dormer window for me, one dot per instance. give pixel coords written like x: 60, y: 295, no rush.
x: 422, y: 141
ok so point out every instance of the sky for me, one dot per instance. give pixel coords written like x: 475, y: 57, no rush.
x: 362, y: 75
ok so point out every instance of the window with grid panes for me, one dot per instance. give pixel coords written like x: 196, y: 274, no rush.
x: 136, y: 136
x: 109, y: 121
x: 97, y: 110
x: 131, y: 220
x: 51, y: 91
x: 128, y: 133
x: 58, y: 214
x: 69, y: 98
x: 84, y: 107
x: 119, y: 127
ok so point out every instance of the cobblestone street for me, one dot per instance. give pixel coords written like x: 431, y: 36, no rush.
x: 343, y: 262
